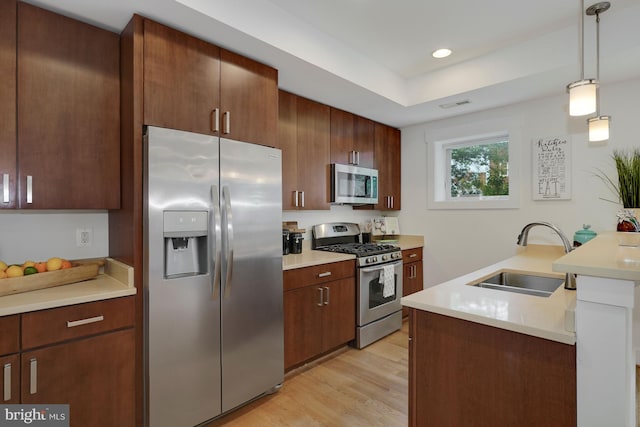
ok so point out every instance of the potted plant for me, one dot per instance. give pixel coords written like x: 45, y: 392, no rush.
x: 627, y: 186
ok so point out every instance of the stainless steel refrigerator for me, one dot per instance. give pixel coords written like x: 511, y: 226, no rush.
x: 213, y: 275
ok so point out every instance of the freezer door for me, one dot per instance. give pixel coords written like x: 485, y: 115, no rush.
x: 252, y: 322
x: 182, y: 305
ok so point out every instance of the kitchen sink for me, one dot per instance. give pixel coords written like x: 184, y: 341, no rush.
x: 521, y: 283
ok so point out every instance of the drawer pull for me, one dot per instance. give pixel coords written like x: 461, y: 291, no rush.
x: 5, y: 188
x: 7, y: 381
x: 74, y: 323
x: 33, y: 383
x: 413, y: 255
x: 29, y: 189
x: 325, y: 274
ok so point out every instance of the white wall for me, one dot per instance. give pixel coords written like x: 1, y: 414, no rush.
x: 460, y: 241
x: 38, y: 236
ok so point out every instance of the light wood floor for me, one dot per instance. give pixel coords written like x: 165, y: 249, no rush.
x: 350, y: 387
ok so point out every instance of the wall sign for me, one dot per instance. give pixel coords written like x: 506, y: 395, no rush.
x: 551, y: 168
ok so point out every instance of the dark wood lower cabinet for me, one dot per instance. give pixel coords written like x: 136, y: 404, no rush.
x: 95, y: 376
x: 467, y: 374
x: 317, y: 319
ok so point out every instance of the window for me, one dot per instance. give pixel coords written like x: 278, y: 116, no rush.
x: 473, y: 172
x: 479, y: 168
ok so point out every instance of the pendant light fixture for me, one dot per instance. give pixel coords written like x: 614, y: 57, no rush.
x: 598, y: 125
x: 582, y: 93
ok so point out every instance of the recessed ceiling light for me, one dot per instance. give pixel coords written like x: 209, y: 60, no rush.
x: 441, y: 53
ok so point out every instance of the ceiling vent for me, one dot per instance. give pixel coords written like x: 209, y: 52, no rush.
x: 455, y: 104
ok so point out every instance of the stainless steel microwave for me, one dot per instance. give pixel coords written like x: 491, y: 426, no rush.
x: 353, y: 185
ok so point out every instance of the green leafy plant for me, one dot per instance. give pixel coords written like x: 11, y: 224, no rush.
x: 627, y: 186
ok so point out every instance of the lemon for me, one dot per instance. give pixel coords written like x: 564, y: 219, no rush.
x: 54, y: 264
x: 14, y: 271
x: 30, y: 270
x: 28, y: 264
x: 3, y: 266
x: 2, y: 274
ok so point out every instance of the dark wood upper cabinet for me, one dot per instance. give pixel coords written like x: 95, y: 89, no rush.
x: 313, y: 154
x: 68, y: 119
x: 248, y: 99
x: 287, y: 141
x: 388, y: 163
x: 303, y: 137
x: 195, y: 86
x: 181, y: 80
x: 352, y: 139
x: 364, y: 141
x: 7, y: 103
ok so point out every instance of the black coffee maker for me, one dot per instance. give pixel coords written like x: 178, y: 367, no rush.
x: 285, y: 242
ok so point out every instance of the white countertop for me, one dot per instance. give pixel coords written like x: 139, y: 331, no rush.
x: 532, y: 315
x: 115, y: 281
x: 610, y: 254
x: 309, y: 257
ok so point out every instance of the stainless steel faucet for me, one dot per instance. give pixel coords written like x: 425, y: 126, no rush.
x: 570, y: 278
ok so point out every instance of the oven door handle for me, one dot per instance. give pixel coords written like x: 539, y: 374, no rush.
x: 379, y: 267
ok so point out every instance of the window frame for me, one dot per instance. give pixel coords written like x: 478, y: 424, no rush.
x: 438, y: 178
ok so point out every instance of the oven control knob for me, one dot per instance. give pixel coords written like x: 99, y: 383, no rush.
x: 373, y: 259
x: 384, y: 257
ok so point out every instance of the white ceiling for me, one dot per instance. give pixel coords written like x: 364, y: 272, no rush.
x: 373, y: 57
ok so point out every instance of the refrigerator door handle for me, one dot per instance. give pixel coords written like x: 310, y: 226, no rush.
x: 226, y: 196
x: 217, y: 241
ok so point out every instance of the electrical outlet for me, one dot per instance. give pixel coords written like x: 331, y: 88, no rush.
x: 84, y: 237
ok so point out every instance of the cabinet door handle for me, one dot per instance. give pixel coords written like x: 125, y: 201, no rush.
x: 74, y: 323
x: 357, y: 157
x: 29, y: 189
x: 321, y: 300
x: 326, y: 300
x: 295, y: 198
x: 227, y: 122
x: 215, y: 115
x: 5, y: 188
x: 325, y: 274
x: 7, y: 382
x: 302, y: 194
x: 392, y: 202
x: 33, y: 380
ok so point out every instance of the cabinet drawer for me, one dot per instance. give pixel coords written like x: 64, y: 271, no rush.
x: 300, y: 277
x: 411, y: 255
x: 10, y: 334
x: 65, y: 323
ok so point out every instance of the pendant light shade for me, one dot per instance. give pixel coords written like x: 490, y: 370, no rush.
x: 582, y: 97
x: 599, y: 128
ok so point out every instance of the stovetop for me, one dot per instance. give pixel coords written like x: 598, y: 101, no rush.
x: 345, y: 237
x: 360, y: 249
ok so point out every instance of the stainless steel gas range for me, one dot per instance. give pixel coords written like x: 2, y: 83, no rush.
x: 378, y: 274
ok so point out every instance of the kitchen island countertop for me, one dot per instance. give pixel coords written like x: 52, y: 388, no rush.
x: 532, y: 315
x: 116, y: 281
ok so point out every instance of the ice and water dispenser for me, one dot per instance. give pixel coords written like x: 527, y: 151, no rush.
x: 185, y: 243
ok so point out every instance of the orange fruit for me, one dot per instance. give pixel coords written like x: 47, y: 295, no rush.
x: 41, y: 267
x: 2, y: 274
x: 14, y: 271
x: 66, y: 264
x: 54, y: 264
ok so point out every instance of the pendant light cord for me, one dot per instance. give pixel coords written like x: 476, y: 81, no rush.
x: 582, y: 39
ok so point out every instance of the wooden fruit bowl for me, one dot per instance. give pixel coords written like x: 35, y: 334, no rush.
x: 79, y: 271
